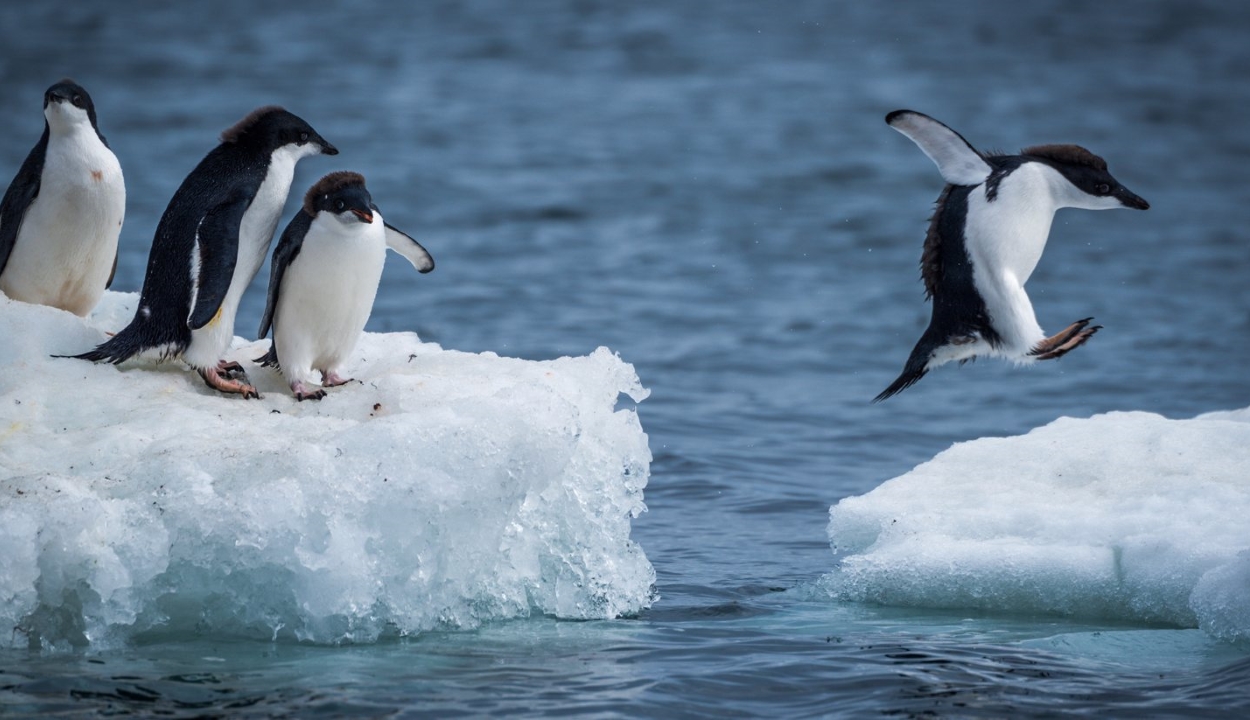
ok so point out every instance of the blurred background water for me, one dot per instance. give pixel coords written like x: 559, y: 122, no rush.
x: 708, y: 188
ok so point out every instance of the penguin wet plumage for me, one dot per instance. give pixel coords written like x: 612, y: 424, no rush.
x: 62, y: 214
x: 986, y: 237
x: 323, y: 279
x: 211, y: 242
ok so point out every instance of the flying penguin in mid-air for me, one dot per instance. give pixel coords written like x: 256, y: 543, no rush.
x: 210, y: 243
x: 62, y: 214
x: 323, y: 280
x: 986, y: 237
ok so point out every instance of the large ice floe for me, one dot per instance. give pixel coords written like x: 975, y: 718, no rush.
x: 443, y: 490
x: 1127, y: 516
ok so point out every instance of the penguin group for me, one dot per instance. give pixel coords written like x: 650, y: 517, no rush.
x: 62, y: 214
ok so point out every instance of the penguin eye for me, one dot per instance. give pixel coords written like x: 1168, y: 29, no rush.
x: 340, y: 205
x: 1103, y: 188
x: 303, y: 137
x: 77, y: 100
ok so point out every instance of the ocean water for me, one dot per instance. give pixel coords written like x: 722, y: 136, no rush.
x: 708, y: 189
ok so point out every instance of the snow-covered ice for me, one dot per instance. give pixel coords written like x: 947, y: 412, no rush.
x: 444, y: 490
x: 1126, y: 515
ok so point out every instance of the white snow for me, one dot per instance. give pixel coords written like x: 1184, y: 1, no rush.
x: 445, y: 490
x: 1127, y: 516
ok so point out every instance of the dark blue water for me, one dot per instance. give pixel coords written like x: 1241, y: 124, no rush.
x: 708, y: 188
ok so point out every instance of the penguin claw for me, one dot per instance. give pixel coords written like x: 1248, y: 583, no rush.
x: 1060, y: 343
x: 302, y: 393
x: 1072, y: 337
x: 230, y: 383
x: 332, y: 379
x: 233, y: 371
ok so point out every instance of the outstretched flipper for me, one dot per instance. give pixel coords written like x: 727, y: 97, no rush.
x: 403, y: 244
x: 956, y: 159
x: 1065, y: 341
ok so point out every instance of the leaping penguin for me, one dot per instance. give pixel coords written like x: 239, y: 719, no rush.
x: 323, y: 280
x: 211, y: 242
x: 985, y: 238
x: 62, y: 214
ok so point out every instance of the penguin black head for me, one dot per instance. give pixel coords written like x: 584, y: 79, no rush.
x: 1095, y: 188
x: 343, y: 194
x: 68, y: 94
x: 271, y: 127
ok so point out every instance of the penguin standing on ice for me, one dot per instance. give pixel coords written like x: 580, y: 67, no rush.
x: 985, y: 238
x: 211, y: 242
x: 323, y: 279
x: 62, y: 214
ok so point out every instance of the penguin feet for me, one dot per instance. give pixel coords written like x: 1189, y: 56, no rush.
x: 332, y: 379
x: 302, y: 392
x: 1065, y: 341
x: 233, y: 381
x: 232, y: 371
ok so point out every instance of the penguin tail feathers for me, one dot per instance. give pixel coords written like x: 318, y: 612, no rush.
x: 910, y: 377
x: 127, y: 343
x: 116, y: 350
x: 916, y: 368
x: 269, y: 359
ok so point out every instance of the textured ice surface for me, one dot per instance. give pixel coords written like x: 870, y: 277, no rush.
x: 444, y: 490
x: 1126, y: 515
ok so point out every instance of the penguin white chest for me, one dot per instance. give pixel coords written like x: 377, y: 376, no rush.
x: 261, y: 219
x: 1008, y: 234
x: 327, y: 294
x: 65, y: 248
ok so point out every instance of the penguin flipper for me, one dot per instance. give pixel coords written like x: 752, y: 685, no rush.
x: 113, y: 272
x: 402, y: 243
x: 217, y: 246
x: 288, y: 248
x: 956, y: 159
x: 17, y: 199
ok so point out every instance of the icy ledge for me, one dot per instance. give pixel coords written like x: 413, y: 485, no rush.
x: 445, y: 490
x: 1126, y: 516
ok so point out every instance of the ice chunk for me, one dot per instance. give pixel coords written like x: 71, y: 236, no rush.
x: 1127, y: 515
x: 443, y: 490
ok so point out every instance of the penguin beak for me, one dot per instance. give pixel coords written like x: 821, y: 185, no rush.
x: 364, y: 215
x: 327, y: 148
x: 1128, y: 199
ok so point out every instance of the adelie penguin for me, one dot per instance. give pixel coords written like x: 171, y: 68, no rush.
x: 986, y: 236
x: 61, y: 216
x: 210, y: 243
x: 323, y: 279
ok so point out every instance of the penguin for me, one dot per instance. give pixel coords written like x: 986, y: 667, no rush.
x: 323, y: 279
x: 986, y: 237
x: 210, y: 243
x: 62, y: 214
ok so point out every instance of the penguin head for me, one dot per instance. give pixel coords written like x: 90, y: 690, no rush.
x: 1089, y: 185
x: 67, y: 104
x: 342, y: 195
x: 271, y: 128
